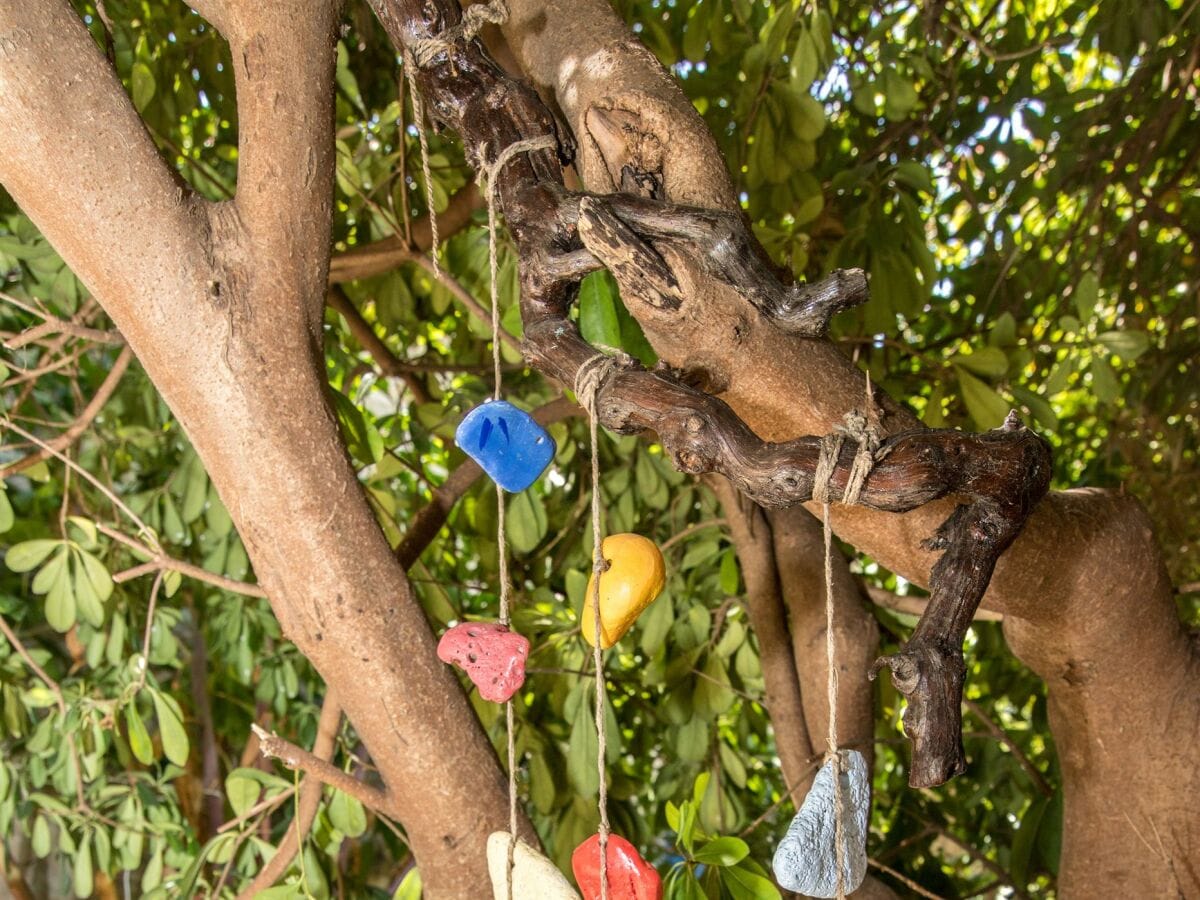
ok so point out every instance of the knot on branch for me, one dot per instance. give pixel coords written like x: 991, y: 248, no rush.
x: 930, y: 677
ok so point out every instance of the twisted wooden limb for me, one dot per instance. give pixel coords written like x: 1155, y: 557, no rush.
x: 1000, y: 474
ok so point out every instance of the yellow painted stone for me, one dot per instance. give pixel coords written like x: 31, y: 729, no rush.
x: 533, y: 876
x: 635, y: 576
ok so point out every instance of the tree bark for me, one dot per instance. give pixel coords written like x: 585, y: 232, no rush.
x: 222, y: 304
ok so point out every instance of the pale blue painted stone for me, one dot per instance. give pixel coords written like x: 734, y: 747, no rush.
x: 507, y: 443
x: 806, y: 859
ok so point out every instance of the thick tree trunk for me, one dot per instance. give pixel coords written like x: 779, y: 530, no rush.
x: 223, y: 306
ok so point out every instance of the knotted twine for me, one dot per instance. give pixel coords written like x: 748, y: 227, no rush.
x: 488, y: 176
x: 420, y: 53
x: 588, y: 380
x: 864, y: 432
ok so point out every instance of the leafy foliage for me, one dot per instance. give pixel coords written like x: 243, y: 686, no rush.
x: 1019, y: 179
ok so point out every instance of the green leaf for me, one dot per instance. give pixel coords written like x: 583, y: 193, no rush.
x: 1004, y: 331
x: 526, y: 521
x: 746, y: 885
x: 728, y: 577
x: 542, y: 790
x: 347, y: 815
x: 713, y: 696
x: 732, y: 765
x: 6, y: 511
x: 82, y: 869
x: 93, y: 587
x: 60, y: 599
x: 1104, y: 380
x: 804, y: 113
x: 581, y: 751
x: 1024, y: 841
x: 986, y: 407
x: 28, y: 554
x: 723, y: 851
x: 914, y: 175
x: 362, y: 439
x: 599, y: 322
x: 142, y: 84
x: 987, y: 361
x: 242, y: 790
x: 1128, y: 345
x: 684, y: 886
x: 40, y: 839
x: 49, y: 574
x: 1087, y: 292
x: 170, y: 727
x: 139, y: 738
x: 900, y: 95
x: 410, y: 886
x: 195, y: 493
x: 692, y: 740
x: 804, y: 62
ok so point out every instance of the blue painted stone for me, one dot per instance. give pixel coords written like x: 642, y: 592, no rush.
x: 507, y: 443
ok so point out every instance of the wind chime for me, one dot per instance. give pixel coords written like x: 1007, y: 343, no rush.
x: 824, y: 851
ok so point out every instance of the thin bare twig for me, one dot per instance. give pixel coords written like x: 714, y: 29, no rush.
x: 296, y: 758
x: 161, y: 563
x: 81, y: 423
x: 905, y: 880
x: 307, y: 802
x: 1038, y: 779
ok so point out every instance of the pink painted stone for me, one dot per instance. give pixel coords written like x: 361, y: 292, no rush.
x: 492, y: 656
x: 629, y: 876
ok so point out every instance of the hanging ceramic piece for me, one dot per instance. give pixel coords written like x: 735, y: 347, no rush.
x: 629, y: 876
x: 635, y: 576
x: 806, y: 859
x: 492, y: 656
x: 532, y: 874
x: 507, y: 443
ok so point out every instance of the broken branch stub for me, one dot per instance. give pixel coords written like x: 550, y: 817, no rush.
x: 999, y: 475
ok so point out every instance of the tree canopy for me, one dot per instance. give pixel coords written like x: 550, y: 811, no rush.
x: 1018, y: 178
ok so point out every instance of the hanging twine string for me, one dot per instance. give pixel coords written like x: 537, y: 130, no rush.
x: 487, y: 182
x: 420, y: 53
x: 488, y: 178
x: 588, y: 380
x: 410, y: 75
x: 864, y: 431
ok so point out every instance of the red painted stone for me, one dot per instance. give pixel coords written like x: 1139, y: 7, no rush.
x: 629, y: 876
x: 492, y: 656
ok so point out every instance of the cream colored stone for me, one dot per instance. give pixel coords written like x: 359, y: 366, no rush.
x: 534, y: 876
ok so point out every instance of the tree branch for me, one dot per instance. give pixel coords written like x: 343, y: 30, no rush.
x: 424, y: 526
x: 296, y: 758
x: 391, y: 252
x: 916, y: 606
x: 75, y: 430
x: 751, y: 533
x: 307, y: 804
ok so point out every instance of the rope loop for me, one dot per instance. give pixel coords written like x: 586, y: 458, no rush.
x: 864, y: 432
x: 489, y: 171
x: 591, y: 377
x: 426, y: 50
